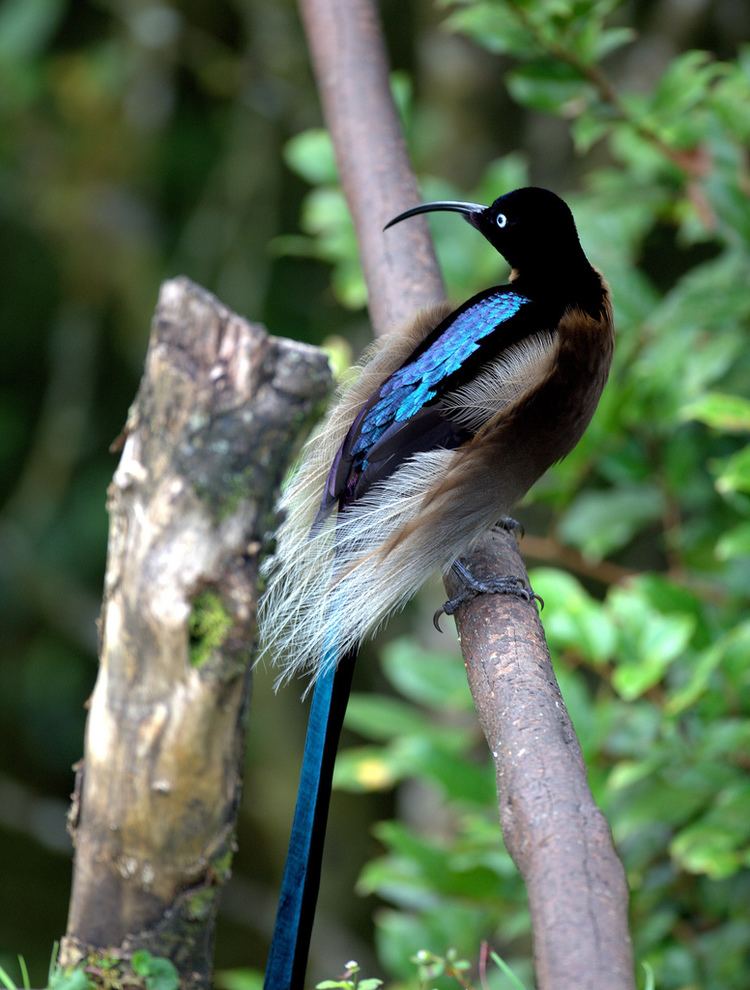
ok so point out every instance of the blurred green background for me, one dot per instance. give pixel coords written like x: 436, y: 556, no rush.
x: 142, y: 139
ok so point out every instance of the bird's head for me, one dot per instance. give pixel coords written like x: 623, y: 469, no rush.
x: 532, y: 228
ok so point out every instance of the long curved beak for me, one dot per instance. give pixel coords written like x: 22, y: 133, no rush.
x: 470, y: 210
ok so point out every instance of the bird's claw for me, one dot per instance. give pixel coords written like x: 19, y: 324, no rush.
x: 449, y: 607
x: 506, y: 585
x: 510, y: 525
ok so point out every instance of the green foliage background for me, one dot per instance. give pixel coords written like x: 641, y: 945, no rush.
x: 141, y: 140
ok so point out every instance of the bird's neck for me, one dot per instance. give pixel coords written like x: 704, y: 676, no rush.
x: 564, y: 280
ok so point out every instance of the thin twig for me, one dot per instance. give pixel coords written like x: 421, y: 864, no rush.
x: 690, y: 162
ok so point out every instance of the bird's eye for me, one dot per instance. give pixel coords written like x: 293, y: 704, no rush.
x: 501, y: 219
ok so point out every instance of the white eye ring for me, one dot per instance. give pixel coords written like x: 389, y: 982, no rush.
x: 501, y: 219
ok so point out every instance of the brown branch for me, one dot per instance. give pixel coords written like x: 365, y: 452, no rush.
x: 220, y: 407
x: 351, y: 67
x: 550, y: 551
x: 559, y: 839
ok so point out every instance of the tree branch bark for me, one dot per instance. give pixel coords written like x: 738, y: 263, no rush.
x: 557, y: 836
x: 219, y: 410
x: 351, y: 68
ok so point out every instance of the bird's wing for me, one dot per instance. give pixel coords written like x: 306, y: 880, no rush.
x: 486, y: 345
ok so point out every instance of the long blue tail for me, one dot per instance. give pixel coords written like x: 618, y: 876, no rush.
x: 287, y: 959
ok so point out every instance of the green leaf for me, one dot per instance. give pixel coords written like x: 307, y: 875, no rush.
x: 633, y: 729
x: 349, y: 284
x: 509, y: 172
x: 431, y: 678
x: 718, y: 844
x: 550, y: 86
x: 688, y: 307
x: 734, y: 473
x: 612, y: 39
x: 698, y: 339
x: 310, y: 154
x: 701, y: 671
x: 730, y: 99
x: 396, y: 935
x: 366, y: 768
x: 325, y: 213
x: 587, y: 128
x: 723, y: 739
x: 380, y: 717
x: 730, y: 413
x: 494, y: 27
x: 395, y: 879
x: 158, y: 973
x: 735, y: 543
x: 630, y: 772
x: 435, y: 929
x: 429, y: 755
x: 70, y: 979
x: 684, y: 84
x: 705, y: 665
x: 238, y: 979
x: 573, y: 620
x: 402, y: 90
x: 459, y: 779
x: 725, y: 196
x: 418, y: 870
x: 27, y: 25
x: 601, y: 522
x: 649, y: 640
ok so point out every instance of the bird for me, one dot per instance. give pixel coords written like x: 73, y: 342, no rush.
x: 447, y: 425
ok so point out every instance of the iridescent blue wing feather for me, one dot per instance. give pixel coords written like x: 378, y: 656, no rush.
x: 403, y: 417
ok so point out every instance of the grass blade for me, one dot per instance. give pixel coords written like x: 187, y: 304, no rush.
x: 24, y: 972
x: 507, y: 971
x: 52, y: 963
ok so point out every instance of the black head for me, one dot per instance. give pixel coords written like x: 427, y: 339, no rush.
x: 532, y: 228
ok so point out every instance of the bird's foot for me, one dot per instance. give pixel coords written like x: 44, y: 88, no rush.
x: 510, y: 525
x: 473, y: 586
